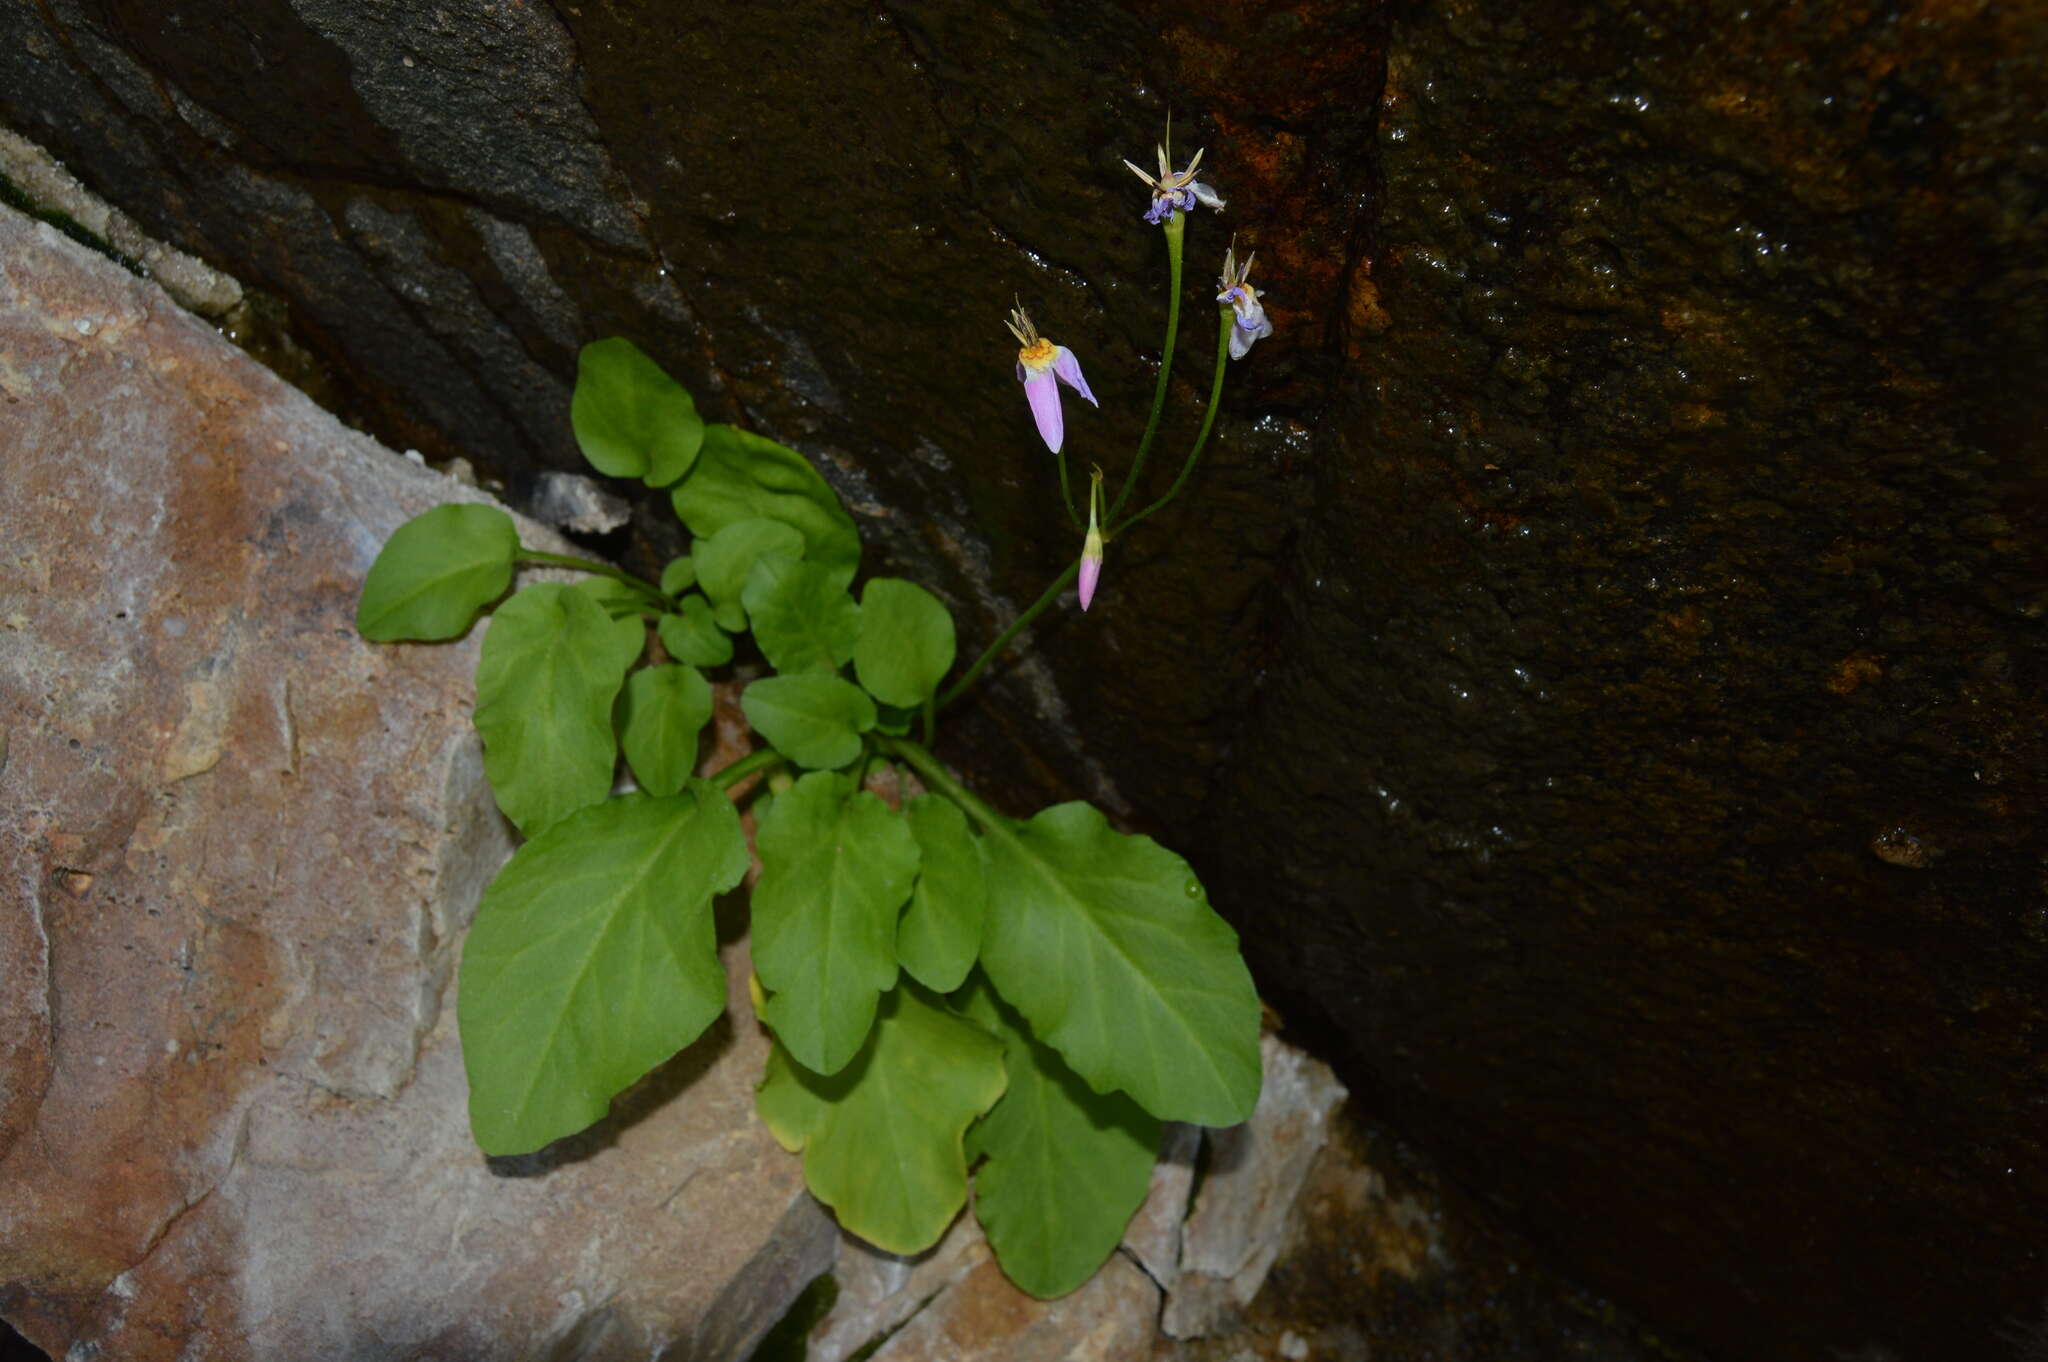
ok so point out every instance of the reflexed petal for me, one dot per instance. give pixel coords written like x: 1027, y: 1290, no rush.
x: 1044, y: 394
x: 1206, y: 195
x: 1069, y: 369
x: 1252, y: 325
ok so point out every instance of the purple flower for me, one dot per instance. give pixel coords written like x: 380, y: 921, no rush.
x: 1091, y: 547
x: 1176, y: 191
x: 1041, y: 368
x: 1251, y: 324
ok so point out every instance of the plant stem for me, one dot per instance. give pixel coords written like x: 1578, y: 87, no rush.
x: 744, y: 767
x: 646, y: 588
x: 936, y: 777
x: 931, y: 720
x: 1176, y: 227
x: 1208, y: 420
x: 1036, y: 609
x: 1066, y: 491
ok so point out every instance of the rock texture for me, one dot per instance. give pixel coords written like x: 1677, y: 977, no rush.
x: 1601, y: 669
x: 241, y: 848
x: 1242, y: 1216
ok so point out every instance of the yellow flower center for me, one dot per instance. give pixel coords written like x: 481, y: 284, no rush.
x: 1036, y: 356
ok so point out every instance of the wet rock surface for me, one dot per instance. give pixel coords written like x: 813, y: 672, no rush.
x: 1600, y: 672
x: 241, y: 849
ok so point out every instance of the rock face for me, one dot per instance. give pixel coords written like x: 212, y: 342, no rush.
x: 1601, y: 669
x: 241, y: 848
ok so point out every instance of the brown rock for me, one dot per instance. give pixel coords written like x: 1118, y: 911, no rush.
x: 1256, y: 1173
x: 982, y: 1318
x: 241, y: 847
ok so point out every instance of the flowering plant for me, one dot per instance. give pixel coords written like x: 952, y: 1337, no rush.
x: 950, y: 990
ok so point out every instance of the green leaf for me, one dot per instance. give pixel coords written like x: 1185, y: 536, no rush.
x: 812, y: 718
x: 881, y: 1138
x: 741, y: 476
x: 906, y: 642
x: 940, y: 933
x: 550, y: 669
x: 693, y: 636
x: 1067, y: 1167
x: 593, y: 958
x: 725, y: 560
x: 679, y: 576
x: 631, y: 419
x: 893, y: 721
x: 836, y: 865
x: 664, y: 709
x: 802, y: 616
x: 436, y: 572
x: 619, y: 600
x: 1108, y: 947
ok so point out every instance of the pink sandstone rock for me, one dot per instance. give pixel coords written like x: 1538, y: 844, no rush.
x: 238, y: 847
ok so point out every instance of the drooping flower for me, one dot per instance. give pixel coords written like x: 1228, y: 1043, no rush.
x: 1041, y: 368
x: 1091, y: 547
x: 1176, y: 191
x: 1243, y: 299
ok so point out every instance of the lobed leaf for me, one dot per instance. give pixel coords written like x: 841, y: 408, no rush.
x: 592, y: 959
x: 725, y: 560
x: 1107, y: 945
x: 436, y: 572
x: 812, y: 718
x: 803, y: 618
x: 663, y: 709
x: 693, y: 636
x: 742, y: 476
x: 550, y: 669
x: 940, y: 933
x: 836, y: 865
x: 906, y: 642
x: 631, y: 419
x: 1067, y: 1167
x: 882, y: 1138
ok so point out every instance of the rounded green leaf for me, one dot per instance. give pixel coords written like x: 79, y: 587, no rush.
x: 663, y: 710
x: 906, y: 642
x: 1067, y: 1167
x: 693, y: 636
x: 631, y: 419
x: 550, y: 669
x: 1108, y: 947
x: 742, y: 476
x: 593, y: 958
x: 803, y: 618
x: 882, y: 1138
x: 836, y: 866
x: 940, y: 933
x: 726, y: 559
x: 813, y: 718
x: 436, y: 572
x: 679, y: 576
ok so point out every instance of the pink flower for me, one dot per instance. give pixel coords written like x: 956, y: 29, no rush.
x: 1041, y: 368
x: 1091, y: 547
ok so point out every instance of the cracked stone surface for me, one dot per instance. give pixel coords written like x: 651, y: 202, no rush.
x: 1240, y: 1218
x: 240, y: 850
